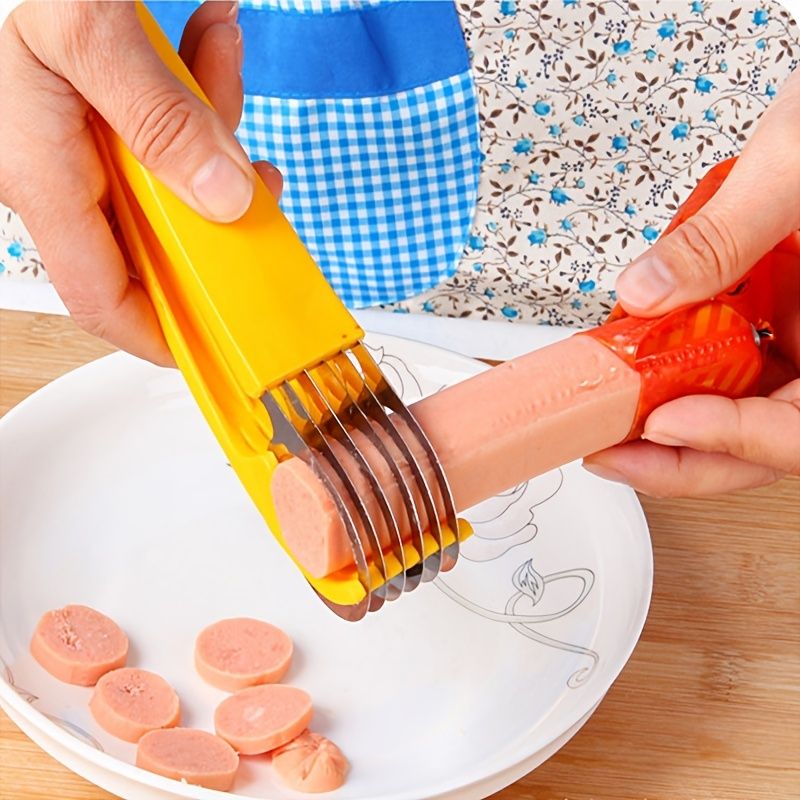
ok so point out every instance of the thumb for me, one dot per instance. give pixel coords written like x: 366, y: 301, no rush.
x: 754, y: 209
x: 105, y: 54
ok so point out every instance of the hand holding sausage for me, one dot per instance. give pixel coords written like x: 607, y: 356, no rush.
x: 703, y: 444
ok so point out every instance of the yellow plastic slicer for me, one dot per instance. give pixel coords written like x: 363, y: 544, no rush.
x: 275, y: 362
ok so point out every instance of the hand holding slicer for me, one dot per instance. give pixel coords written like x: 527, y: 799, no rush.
x: 276, y: 364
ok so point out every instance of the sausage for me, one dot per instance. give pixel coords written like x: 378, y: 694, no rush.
x: 491, y: 432
x: 187, y: 754
x: 261, y: 718
x: 310, y: 763
x: 128, y: 703
x: 77, y: 644
x: 235, y: 653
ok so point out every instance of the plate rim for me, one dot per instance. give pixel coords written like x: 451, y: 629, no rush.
x: 105, y: 761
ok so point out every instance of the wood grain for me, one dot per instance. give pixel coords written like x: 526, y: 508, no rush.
x: 708, y: 707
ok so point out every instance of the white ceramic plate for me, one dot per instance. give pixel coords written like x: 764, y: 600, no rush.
x: 114, y: 494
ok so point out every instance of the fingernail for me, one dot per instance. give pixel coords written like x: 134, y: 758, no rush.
x: 663, y: 438
x: 222, y: 189
x: 233, y: 11
x: 606, y: 473
x: 645, y: 283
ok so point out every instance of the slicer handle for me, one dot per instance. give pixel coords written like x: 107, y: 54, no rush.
x: 248, y: 290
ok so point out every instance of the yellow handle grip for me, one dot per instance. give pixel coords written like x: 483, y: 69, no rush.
x: 242, y: 305
x: 249, y: 285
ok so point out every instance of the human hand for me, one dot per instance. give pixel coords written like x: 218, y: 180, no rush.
x: 58, y: 62
x: 703, y: 445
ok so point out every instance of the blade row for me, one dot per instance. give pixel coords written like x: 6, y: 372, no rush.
x: 322, y: 414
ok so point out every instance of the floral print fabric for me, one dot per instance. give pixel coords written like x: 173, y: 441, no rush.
x: 598, y: 118
x: 18, y: 255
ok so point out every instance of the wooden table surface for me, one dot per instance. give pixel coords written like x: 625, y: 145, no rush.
x: 709, y: 704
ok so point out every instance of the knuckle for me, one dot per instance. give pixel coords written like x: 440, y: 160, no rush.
x: 88, y: 313
x: 91, y: 323
x: 162, y: 126
x: 87, y: 317
x: 706, y: 246
x: 95, y: 321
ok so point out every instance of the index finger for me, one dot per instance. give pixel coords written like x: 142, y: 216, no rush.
x: 91, y: 277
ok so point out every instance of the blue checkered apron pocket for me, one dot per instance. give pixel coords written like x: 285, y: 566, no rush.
x: 369, y: 111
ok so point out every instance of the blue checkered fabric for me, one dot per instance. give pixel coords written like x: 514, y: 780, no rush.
x: 381, y: 189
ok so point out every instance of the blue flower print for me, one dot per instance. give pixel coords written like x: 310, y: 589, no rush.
x: 723, y: 66
x: 509, y: 312
x: 566, y: 225
x: 555, y: 130
x: 611, y: 78
x: 586, y: 286
x: 523, y: 146
x: 476, y: 243
x: 400, y: 310
x: 576, y: 304
x: 580, y: 183
x: 770, y: 91
x: 680, y: 131
x: 697, y: 7
x: 521, y: 82
x: 559, y: 196
x: 537, y: 236
x: 612, y: 295
x: 636, y: 125
x: 2, y: 267
x: 650, y: 54
x: 650, y: 233
x: 428, y: 306
x: 492, y: 226
x: 508, y: 8
x: 509, y: 34
x: 579, y: 120
x: 15, y: 250
x: 477, y: 267
x: 622, y: 48
x: 541, y: 108
x: 534, y: 178
x: 488, y: 293
x: 710, y: 115
x: 761, y: 44
x: 505, y: 167
x: 667, y: 29
x: 568, y: 3
x: 621, y: 168
x: 703, y: 84
x: 760, y: 16
x: 678, y: 66
x: 630, y: 210
x: 620, y: 142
